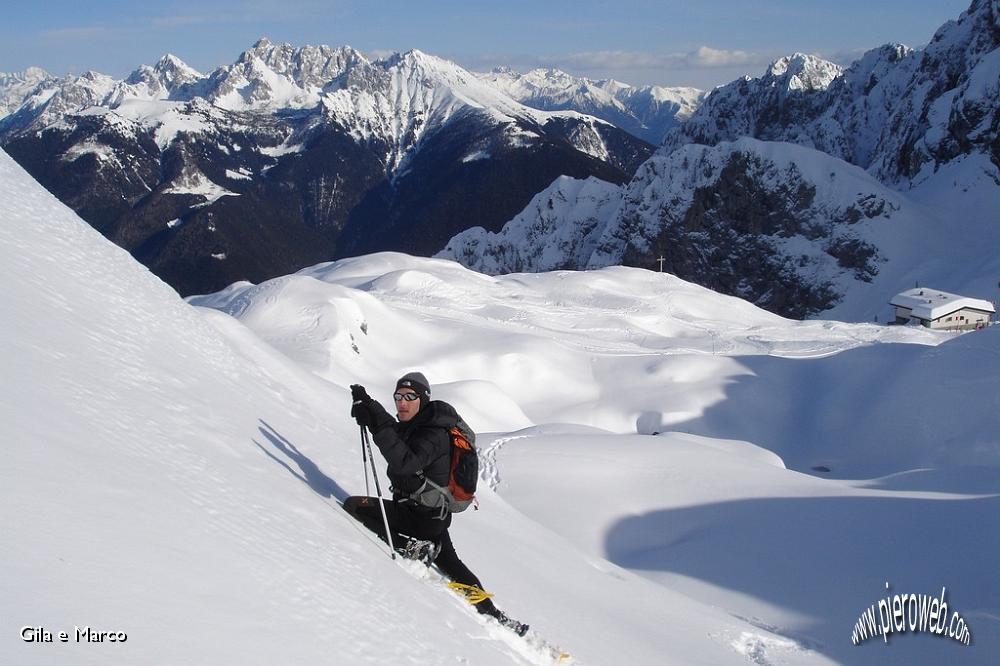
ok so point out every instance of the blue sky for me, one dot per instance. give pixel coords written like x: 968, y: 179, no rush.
x: 665, y: 42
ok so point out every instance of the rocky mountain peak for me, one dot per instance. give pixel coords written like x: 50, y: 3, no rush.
x: 29, y: 75
x: 175, y: 68
x: 305, y: 65
x: 15, y: 87
x: 424, y: 65
x: 160, y: 81
x: 279, y: 75
x: 802, y: 72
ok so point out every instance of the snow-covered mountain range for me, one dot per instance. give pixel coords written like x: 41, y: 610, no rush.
x: 293, y: 155
x: 647, y: 112
x: 808, y: 188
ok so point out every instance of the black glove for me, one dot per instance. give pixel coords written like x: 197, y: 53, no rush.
x: 358, y: 393
x: 367, y: 411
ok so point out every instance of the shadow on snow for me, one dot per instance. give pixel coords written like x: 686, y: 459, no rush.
x: 827, y: 559
x: 308, y: 472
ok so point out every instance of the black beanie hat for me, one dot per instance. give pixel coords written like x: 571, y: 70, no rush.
x: 417, y: 382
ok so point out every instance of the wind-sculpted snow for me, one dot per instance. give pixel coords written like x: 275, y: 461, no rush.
x: 517, y: 331
x: 735, y: 395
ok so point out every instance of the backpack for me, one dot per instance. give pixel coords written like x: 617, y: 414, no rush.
x: 463, y: 473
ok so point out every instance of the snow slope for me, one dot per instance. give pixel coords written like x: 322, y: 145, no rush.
x: 699, y: 509
x: 159, y: 479
x: 171, y: 470
x: 169, y: 475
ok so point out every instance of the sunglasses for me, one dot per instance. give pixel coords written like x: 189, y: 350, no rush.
x: 408, y: 397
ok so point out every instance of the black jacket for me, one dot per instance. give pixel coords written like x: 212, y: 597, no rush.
x: 419, y: 445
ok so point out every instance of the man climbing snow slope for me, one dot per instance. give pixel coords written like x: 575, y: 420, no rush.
x: 418, y: 450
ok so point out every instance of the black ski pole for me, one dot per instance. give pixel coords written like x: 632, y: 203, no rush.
x: 367, y: 446
x: 364, y: 462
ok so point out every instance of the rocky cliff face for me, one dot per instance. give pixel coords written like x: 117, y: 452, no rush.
x: 950, y: 108
x: 776, y: 224
x: 558, y: 230
x: 771, y: 107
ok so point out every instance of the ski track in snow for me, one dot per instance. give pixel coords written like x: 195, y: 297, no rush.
x: 530, y: 648
x: 763, y: 650
x: 490, y: 470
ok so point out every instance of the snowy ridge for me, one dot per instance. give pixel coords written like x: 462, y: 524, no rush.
x: 162, y: 81
x: 559, y: 229
x: 802, y: 72
x: 645, y: 111
x: 955, y: 87
x: 667, y: 184
x: 50, y: 99
x: 335, y: 155
x: 277, y: 76
x: 412, y: 94
x: 766, y: 107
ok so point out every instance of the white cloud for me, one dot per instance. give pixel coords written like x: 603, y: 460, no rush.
x: 379, y: 54
x: 847, y: 57
x: 702, y: 57
x: 617, y: 60
x: 706, y: 56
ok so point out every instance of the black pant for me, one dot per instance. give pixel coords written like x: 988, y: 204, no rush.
x: 408, y: 520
